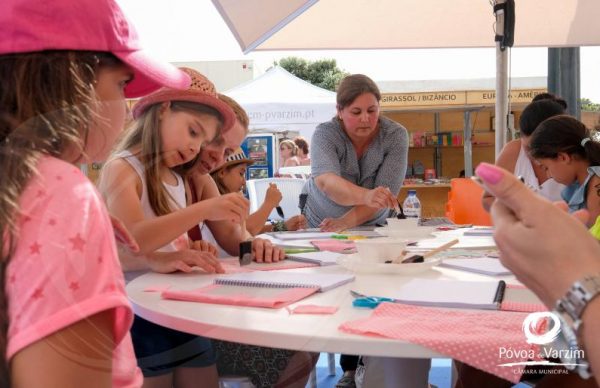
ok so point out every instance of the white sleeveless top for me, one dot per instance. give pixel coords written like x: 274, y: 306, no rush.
x: 176, y: 192
x: 550, y: 189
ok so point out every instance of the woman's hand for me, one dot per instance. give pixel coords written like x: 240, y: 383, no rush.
x: 296, y: 222
x: 546, y: 248
x: 204, y: 246
x: 273, y: 196
x: 184, y: 261
x: 122, y: 235
x: 265, y: 252
x: 229, y: 207
x: 381, y: 197
x: 334, y: 225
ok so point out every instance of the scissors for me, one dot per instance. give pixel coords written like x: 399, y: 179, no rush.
x: 361, y: 300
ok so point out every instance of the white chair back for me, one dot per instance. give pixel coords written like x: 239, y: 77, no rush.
x: 302, y: 172
x: 290, y: 190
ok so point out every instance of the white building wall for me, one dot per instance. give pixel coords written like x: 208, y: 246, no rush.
x: 224, y: 74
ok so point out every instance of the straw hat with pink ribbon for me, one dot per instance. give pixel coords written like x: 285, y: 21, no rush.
x: 201, y: 91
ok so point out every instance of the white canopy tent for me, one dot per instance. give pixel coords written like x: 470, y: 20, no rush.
x: 280, y: 101
x: 396, y: 24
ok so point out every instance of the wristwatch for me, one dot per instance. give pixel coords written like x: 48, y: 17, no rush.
x: 569, y: 310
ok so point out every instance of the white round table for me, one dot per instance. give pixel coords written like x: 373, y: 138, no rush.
x: 276, y: 327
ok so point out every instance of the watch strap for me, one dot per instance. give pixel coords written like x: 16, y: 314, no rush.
x: 578, y: 296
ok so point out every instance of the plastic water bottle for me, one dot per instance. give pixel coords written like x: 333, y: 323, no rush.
x: 412, y: 205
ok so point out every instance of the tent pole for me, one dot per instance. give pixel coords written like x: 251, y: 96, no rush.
x: 564, y: 77
x: 501, y: 110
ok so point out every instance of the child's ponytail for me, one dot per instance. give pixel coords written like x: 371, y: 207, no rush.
x: 564, y: 134
x: 591, y: 147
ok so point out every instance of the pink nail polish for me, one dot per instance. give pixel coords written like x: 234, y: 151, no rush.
x: 489, y: 173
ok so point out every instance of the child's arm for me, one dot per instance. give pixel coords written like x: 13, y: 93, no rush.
x: 167, y: 262
x: 256, y: 221
x: 77, y: 355
x: 229, y: 235
x: 122, y: 187
x: 592, y: 201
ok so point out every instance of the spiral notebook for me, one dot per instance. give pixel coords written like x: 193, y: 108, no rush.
x: 320, y: 257
x: 461, y: 294
x: 483, y: 265
x: 323, y: 282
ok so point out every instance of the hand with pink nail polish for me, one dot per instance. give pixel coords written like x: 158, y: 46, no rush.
x: 545, y: 247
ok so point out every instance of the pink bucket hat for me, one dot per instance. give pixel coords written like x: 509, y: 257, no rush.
x: 84, y: 25
x: 201, y: 91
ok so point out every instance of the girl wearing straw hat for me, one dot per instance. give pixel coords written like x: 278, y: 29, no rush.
x: 143, y: 185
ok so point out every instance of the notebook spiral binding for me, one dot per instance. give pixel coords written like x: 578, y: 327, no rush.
x: 230, y: 282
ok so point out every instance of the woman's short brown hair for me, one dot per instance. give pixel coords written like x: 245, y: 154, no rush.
x: 353, y: 86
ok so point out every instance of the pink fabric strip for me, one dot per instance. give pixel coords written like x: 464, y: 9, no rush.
x: 333, y: 245
x: 211, y: 294
x: 312, y: 309
x: 157, y: 288
x: 475, y: 337
x: 233, y: 266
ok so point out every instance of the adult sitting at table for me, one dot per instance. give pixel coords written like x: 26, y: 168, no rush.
x: 358, y: 161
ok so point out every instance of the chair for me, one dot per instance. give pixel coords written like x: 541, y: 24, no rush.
x: 290, y: 190
x: 464, y: 203
x: 302, y: 172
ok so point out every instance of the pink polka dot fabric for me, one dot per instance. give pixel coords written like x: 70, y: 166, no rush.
x: 475, y: 337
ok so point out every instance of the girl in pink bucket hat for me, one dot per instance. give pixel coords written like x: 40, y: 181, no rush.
x: 65, y: 68
x: 143, y: 185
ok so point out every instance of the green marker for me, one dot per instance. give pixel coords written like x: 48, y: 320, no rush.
x: 291, y: 251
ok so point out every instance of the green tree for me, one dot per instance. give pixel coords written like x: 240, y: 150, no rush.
x: 323, y: 73
x: 588, y: 105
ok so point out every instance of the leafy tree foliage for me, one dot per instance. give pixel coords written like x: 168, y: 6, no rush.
x: 588, y: 105
x: 323, y: 73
